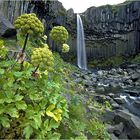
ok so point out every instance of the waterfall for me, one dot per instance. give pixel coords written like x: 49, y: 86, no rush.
x: 81, y: 50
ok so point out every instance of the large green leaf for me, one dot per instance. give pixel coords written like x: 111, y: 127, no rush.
x: 5, y: 121
x: 18, y: 74
x: 46, y: 125
x: 53, y: 124
x: 2, y: 108
x: 28, y: 130
x: 37, y: 119
x: 18, y: 97
x: 21, y: 105
x: 13, y: 112
x: 53, y: 136
x: 1, y: 71
x: 34, y: 96
x: 2, y: 98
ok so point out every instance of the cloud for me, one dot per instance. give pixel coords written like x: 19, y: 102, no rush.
x: 82, y: 5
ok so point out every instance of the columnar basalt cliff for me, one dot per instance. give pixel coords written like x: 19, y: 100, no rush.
x: 109, y: 30
x: 113, y: 29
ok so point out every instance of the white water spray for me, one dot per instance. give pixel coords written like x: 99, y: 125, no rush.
x: 81, y: 50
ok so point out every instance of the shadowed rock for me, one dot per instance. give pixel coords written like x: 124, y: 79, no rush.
x: 6, y: 28
x: 130, y: 121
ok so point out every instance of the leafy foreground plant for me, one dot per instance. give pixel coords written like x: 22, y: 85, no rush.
x: 31, y: 104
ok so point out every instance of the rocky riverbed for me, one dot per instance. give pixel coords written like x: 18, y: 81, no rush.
x: 121, y: 87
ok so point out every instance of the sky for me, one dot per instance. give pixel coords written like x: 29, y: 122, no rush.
x: 80, y: 6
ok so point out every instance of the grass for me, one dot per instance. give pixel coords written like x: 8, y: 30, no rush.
x: 105, y: 63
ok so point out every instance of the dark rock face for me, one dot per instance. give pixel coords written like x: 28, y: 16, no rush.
x: 132, y: 122
x: 113, y: 30
x: 13, y: 8
x: 6, y: 28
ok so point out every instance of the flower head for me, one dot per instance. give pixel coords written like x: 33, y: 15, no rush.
x: 29, y: 23
x: 42, y: 57
x: 65, y: 48
x: 59, y: 34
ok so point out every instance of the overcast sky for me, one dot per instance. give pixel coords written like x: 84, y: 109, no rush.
x: 81, y: 5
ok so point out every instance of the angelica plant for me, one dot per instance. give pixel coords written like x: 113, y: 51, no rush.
x: 59, y: 34
x: 42, y: 58
x: 31, y: 105
x: 28, y: 25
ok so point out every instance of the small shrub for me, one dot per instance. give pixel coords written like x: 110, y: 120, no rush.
x: 136, y: 59
x: 97, y: 129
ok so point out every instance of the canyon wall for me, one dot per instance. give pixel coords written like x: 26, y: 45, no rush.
x: 113, y: 30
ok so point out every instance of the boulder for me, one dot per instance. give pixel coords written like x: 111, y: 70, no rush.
x: 78, y: 80
x: 108, y: 116
x: 100, y: 73
x: 132, y: 66
x: 123, y: 135
x: 99, y: 98
x: 119, y: 100
x: 88, y: 83
x: 94, y: 80
x: 100, y: 89
x: 135, y: 76
x: 86, y: 77
x: 115, y: 106
x: 122, y: 116
x: 116, y: 129
x: 111, y: 95
x: 76, y: 75
x: 134, y: 93
x: 137, y: 104
x: 113, y: 137
x: 6, y: 28
x: 130, y: 121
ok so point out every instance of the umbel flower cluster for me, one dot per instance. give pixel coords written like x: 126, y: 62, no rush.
x: 59, y: 34
x: 43, y: 58
x: 29, y: 23
x: 65, y: 48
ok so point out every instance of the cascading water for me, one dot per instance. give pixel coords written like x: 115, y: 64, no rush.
x: 81, y: 50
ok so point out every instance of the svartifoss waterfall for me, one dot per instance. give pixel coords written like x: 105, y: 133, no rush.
x: 81, y: 50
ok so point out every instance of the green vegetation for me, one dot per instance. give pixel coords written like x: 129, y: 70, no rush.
x: 29, y: 24
x: 82, y: 124
x: 65, y: 48
x: 10, y: 43
x: 59, y: 34
x: 110, y: 62
x: 3, y: 50
x: 114, y: 61
x: 115, y: 8
x: 34, y: 91
x: 62, y: 12
x: 136, y: 59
